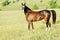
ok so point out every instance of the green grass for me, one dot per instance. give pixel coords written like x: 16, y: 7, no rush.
x: 13, y: 26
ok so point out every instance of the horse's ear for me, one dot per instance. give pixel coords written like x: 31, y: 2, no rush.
x: 22, y: 4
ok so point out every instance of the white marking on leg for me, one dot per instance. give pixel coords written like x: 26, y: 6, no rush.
x: 46, y: 29
x: 49, y: 28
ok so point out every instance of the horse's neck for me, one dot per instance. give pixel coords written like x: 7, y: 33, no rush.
x: 26, y: 9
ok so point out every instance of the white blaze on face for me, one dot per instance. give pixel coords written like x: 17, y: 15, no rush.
x: 23, y: 7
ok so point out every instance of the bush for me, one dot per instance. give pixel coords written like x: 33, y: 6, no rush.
x: 53, y: 4
x: 58, y: 21
x: 13, y: 1
x: 5, y: 3
x: 35, y: 7
x: 41, y: 0
x: 58, y: 6
x: 17, y: 0
x: 0, y: 9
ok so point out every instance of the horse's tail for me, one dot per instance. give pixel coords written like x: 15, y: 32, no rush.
x: 53, y: 16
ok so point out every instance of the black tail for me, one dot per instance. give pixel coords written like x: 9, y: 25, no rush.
x: 53, y: 16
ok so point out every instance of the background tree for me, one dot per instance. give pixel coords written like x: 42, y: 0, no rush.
x: 35, y: 7
x: 53, y: 4
x: 5, y: 3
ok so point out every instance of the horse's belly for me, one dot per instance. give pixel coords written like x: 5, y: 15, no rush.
x: 35, y: 18
x: 30, y: 17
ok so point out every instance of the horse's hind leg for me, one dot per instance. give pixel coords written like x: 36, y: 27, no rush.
x: 47, y: 21
x: 48, y: 24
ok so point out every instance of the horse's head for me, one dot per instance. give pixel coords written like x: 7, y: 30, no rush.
x: 25, y: 8
x: 23, y: 5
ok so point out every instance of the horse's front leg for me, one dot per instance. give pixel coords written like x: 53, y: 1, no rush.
x: 32, y: 25
x: 28, y: 26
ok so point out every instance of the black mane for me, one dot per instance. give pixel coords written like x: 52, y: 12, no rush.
x: 26, y: 9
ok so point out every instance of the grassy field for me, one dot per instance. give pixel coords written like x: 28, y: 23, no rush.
x: 13, y: 26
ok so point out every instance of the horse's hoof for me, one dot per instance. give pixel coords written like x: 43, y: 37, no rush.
x: 48, y: 29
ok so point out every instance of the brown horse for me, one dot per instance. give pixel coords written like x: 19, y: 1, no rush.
x: 32, y: 16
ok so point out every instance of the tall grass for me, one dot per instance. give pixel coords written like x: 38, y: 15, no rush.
x: 13, y: 26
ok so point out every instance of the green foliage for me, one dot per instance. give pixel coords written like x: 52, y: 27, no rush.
x: 35, y: 7
x: 58, y: 21
x: 13, y: 1
x: 41, y: 0
x: 5, y: 3
x: 40, y: 4
x: 58, y: 6
x: 52, y: 4
x: 17, y: 0
x: 0, y: 9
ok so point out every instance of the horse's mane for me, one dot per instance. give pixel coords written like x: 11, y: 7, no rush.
x: 26, y: 9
